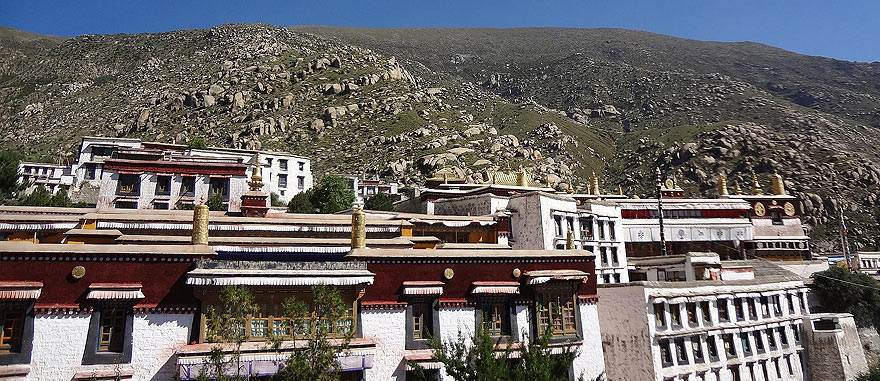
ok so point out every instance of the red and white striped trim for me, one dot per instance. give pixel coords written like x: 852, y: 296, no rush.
x: 20, y: 290
x: 115, y: 291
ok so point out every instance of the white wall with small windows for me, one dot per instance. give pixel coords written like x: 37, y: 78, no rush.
x: 704, y: 331
x: 150, y: 190
x: 60, y: 346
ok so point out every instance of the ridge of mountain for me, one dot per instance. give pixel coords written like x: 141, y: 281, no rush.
x: 403, y: 103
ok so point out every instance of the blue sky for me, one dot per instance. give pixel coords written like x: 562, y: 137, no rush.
x: 840, y: 29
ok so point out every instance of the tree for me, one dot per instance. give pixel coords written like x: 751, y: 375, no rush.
x: 40, y: 196
x: 227, y: 326
x: 301, y: 203
x: 325, y: 326
x: 9, y: 185
x: 379, y: 201
x: 333, y: 194
x: 216, y: 202
x: 60, y: 199
x: 275, y: 199
x: 872, y: 374
x: 840, y: 290
x: 196, y: 142
x: 478, y: 358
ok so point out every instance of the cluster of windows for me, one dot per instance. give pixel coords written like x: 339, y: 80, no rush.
x: 555, y: 310
x: 271, y: 321
x: 744, y: 308
x: 611, y: 278
x: 705, y: 348
x: 793, y: 245
x: 870, y: 263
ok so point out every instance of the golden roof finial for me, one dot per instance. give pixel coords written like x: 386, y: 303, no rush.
x: 778, y: 184
x: 256, y: 182
x: 620, y: 189
x: 737, y: 189
x: 722, y: 185
x: 569, y: 240
x: 756, y: 186
x: 594, y: 184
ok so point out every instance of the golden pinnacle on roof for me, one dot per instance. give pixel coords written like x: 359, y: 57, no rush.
x: 256, y: 182
x: 756, y: 186
x: 522, y: 178
x: 569, y: 240
x: 594, y: 184
x: 722, y: 185
x: 620, y: 189
x: 737, y: 189
x: 778, y: 184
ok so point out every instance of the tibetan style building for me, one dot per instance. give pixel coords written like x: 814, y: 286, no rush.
x: 101, y: 294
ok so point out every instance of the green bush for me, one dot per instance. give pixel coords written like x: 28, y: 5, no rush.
x: 275, y: 199
x: 333, y: 194
x: 40, y: 196
x: 840, y: 290
x: 872, y: 374
x: 301, y: 203
x: 216, y: 202
x: 196, y: 142
x: 379, y: 201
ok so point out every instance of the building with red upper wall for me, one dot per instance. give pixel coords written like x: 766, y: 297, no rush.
x: 83, y: 311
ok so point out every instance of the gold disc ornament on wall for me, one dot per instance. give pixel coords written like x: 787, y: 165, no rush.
x: 788, y: 208
x: 448, y: 273
x: 78, y: 272
x: 760, y: 211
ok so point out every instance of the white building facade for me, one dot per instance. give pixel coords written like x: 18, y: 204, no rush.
x: 51, y: 176
x: 284, y: 174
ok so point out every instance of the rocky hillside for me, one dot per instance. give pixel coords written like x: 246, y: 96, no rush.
x: 403, y: 103
x: 692, y: 108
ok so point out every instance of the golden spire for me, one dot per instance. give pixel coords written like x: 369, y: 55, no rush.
x: 756, y: 186
x: 569, y: 240
x: 522, y: 178
x: 594, y: 184
x: 256, y: 182
x: 722, y: 185
x: 778, y: 184
x: 620, y: 189
x: 737, y: 189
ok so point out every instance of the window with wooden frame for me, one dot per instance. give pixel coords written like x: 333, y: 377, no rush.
x: 707, y: 315
x: 11, y: 328
x: 495, y: 316
x: 112, y: 330
x: 723, y: 313
x: 128, y: 185
x: 660, y: 315
x: 421, y: 324
x: 556, y: 310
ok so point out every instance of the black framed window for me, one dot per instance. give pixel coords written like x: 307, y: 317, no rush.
x: 665, y: 353
x: 660, y: 315
x: 188, y: 186
x: 219, y: 186
x: 128, y: 185
x: 680, y: 351
x: 776, y: 217
x: 738, y: 308
x: 783, y: 338
x: 16, y: 332
x: 698, y: 349
x: 753, y: 312
x: 600, y: 228
x: 707, y: 315
x: 614, y: 259
x: 744, y: 341
x: 91, y: 171
x: 729, y: 347
x: 765, y: 306
x: 712, y: 347
x: 692, y: 313
x: 282, y: 164
x: 587, y: 228
x: 771, y: 339
x: 163, y: 185
x: 282, y: 181
x: 723, y: 313
x: 611, y: 234
x: 109, y: 338
x: 675, y: 315
x: 300, y: 182
x: 420, y: 322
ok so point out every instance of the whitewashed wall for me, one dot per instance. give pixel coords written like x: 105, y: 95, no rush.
x: 155, y: 338
x: 590, y: 362
x: 59, y: 342
x: 388, y: 329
